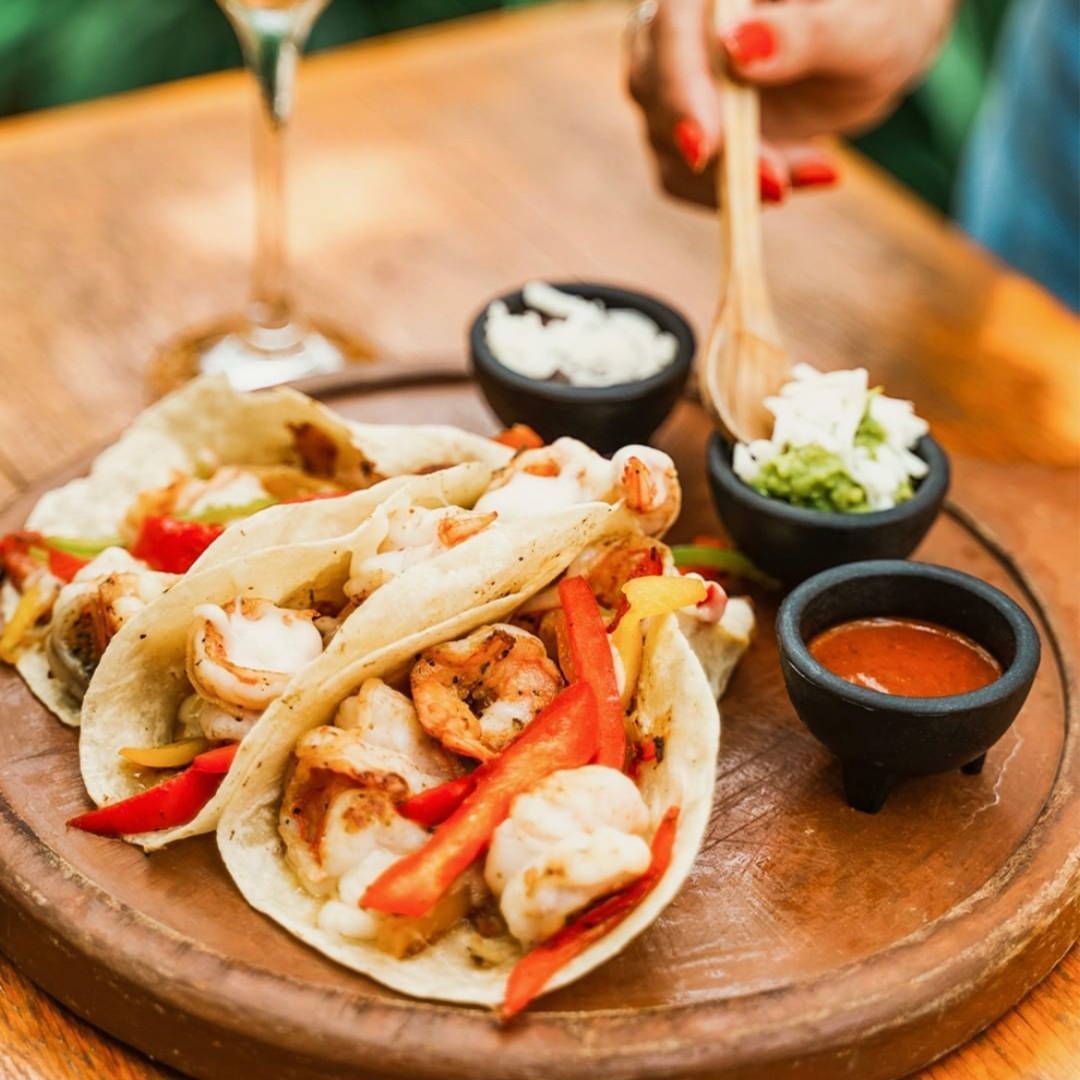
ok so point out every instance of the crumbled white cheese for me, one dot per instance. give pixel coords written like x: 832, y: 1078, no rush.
x: 825, y: 409
x: 583, y: 341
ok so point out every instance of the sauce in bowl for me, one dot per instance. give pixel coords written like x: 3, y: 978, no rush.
x: 906, y: 657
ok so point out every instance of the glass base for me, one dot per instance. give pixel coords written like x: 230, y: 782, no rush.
x: 254, y: 356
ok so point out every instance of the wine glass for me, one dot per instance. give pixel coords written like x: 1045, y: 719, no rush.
x: 270, y: 342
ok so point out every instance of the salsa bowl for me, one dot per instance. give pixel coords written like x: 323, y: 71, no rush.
x: 878, y: 737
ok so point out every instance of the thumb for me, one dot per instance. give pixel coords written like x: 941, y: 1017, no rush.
x: 788, y: 42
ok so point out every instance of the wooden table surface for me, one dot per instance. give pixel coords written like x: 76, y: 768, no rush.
x: 430, y: 171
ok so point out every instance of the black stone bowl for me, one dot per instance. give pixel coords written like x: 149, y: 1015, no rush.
x: 880, y: 738
x: 791, y: 543
x: 605, y: 417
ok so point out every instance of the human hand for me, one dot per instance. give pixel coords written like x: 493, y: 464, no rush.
x: 822, y: 67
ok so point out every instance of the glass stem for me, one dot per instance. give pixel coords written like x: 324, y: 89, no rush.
x: 271, y: 39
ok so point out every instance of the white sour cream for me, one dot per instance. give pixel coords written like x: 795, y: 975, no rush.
x: 554, y: 477
x: 243, y: 655
x: 586, y: 343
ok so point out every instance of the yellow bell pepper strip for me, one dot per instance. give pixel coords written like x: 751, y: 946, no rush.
x: 563, y: 736
x: 35, y: 602
x: 535, y: 969
x: 167, y: 756
x: 650, y: 564
x: 594, y: 665
x: 648, y: 596
x: 710, y: 559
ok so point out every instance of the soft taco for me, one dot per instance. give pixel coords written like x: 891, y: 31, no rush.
x: 205, y: 475
x: 488, y: 810
x: 188, y: 677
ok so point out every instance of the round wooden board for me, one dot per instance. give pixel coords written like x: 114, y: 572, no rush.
x: 810, y: 940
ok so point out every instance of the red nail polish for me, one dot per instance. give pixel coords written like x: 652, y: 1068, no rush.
x: 689, y: 140
x: 813, y: 174
x: 771, y: 186
x: 749, y: 41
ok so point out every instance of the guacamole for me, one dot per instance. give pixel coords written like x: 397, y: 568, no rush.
x: 870, y: 433
x: 838, y: 445
x: 813, y: 477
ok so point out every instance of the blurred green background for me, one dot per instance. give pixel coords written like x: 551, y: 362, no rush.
x: 53, y: 52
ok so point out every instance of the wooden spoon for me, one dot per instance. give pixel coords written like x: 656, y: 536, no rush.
x: 745, y: 361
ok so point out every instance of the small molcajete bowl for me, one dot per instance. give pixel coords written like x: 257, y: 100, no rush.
x: 880, y: 738
x: 792, y: 543
x: 605, y: 417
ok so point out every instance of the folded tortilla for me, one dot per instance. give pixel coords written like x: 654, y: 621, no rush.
x: 209, y: 417
x: 674, y: 703
x: 135, y: 694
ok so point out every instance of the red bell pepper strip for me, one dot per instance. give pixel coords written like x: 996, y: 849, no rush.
x: 64, y: 565
x: 519, y: 437
x: 434, y: 806
x: 563, y: 736
x: 591, y: 650
x: 171, y: 803
x: 173, y: 544
x: 535, y: 969
x: 216, y: 761
x: 24, y: 553
x: 15, y: 557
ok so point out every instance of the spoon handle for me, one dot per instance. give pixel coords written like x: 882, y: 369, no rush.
x: 737, y: 189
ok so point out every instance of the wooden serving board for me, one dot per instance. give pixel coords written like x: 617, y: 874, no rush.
x: 810, y: 940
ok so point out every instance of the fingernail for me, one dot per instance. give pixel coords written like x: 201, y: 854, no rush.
x: 689, y: 140
x: 749, y: 41
x: 772, y: 187
x: 813, y: 174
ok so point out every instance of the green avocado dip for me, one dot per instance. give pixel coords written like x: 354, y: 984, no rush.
x: 816, y: 478
x: 838, y: 445
x: 813, y: 477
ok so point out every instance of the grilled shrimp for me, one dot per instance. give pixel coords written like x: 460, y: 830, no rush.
x: 568, y: 472
x: 387, y: 719
x: 607, y: 566
x: 647, y: 480
x: 476, y: 694
x: 576, y: 836
x: 241, y: 656
x: 376, y: 749
x: 340, y: 824
x: 413, y: 534
x: 199, y: 717
x: 91, y: 609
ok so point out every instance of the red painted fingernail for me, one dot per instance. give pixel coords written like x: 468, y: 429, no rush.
x: 772, y: 187
x: 813, y: 174
x: 689, y: 140
x: 749, y: 41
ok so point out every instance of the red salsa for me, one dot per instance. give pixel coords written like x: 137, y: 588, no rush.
x: 905, y: 657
